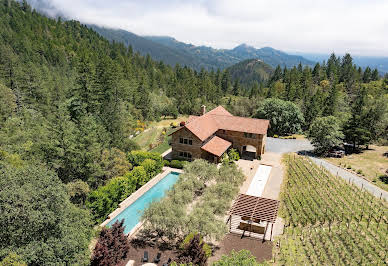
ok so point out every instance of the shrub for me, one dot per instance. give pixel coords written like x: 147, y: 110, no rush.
x: 189, y: 237
x: 137, y: 157
x: 349, y: 167
x: 233, y: 155
x: 275, y: 136
x: 105, y: 199
x: 151, y: 168
x: 13, y: 259
x: 193, y: 252
x: 112, y: 246
x: 359, y: 171
x: 178, y: 164
x: 242, y: 257
x: 140, y: 175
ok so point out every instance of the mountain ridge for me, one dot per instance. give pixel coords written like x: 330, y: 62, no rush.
x: 172, y: 52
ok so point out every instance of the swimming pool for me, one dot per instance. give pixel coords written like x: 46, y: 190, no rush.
x: 133, y: 212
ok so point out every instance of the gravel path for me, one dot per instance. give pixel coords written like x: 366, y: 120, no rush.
x: 358, y: 181
x: 292, y: 145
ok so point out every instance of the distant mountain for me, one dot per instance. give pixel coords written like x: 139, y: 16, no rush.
x: 249, y: 71
x: 269, y: 55
x: 223, y: 57
x: 379, y: 62
x: 144, y: 46
x: 171, y: 51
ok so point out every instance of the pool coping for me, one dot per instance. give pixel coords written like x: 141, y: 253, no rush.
x: 137, y: 194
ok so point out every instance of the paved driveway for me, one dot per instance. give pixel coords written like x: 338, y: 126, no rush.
x: 287, y: 145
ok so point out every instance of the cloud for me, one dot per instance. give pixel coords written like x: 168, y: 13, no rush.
x: 356, y: 26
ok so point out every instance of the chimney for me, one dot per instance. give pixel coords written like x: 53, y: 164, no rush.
x: 203, y: 109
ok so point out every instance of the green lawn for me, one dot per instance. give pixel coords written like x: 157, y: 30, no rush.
x: 148, y: 137
x: 164, y: 146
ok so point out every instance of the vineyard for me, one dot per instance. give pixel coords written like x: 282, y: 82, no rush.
x: 328, y: 220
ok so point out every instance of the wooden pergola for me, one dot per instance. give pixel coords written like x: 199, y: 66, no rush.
x: 249, y: 213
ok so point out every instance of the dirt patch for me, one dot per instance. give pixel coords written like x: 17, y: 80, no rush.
x: 262, y: 251
x: 137, y: 249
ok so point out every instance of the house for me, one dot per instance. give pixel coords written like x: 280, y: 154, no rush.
x: 210, y: 135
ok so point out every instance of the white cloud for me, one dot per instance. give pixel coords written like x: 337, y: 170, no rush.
x: 356, y: 26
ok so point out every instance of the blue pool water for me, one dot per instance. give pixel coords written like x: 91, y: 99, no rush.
x: 133, y: 212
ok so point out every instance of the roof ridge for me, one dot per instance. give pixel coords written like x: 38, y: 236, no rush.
x: 242, y: 117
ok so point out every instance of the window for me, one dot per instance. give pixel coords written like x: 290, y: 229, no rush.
x: 186, y: 141
x: 249, y: 135
x: 186, y: 155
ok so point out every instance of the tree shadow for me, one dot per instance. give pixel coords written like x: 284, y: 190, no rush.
x: 384, y: 179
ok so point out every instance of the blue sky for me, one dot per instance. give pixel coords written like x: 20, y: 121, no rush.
x: 356, y: 26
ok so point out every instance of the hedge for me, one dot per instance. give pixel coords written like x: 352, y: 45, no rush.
x: 106, y: 199
x: 175, y: 164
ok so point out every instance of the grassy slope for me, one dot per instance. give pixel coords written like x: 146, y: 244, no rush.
x: 371, y: 162
x: 152, y: 133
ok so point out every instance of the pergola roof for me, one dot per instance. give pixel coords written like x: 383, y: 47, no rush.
x: 262, y: 209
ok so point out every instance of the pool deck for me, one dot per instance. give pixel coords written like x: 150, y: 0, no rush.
x: 137, y: 194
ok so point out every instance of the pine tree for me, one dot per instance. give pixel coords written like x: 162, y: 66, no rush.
x: 375, y: 75
x: 355, y: 130
x: 236, y: 87
x: 367, y: 76
x: 330, y: 106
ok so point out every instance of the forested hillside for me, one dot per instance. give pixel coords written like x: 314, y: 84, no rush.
x: 172, y: 52
x: 70, y: 100
x: 158, y: 52
x: 251, y: 72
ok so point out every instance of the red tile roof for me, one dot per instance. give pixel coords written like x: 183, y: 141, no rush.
x: 216, y: 146
x: 191, y: 118
x: 206, y: 125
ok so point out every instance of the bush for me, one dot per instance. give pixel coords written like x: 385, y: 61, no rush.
x: 13, y: 259
x: 349, y: 167
x: 178, y: 164
x: 193, y: 252
x: 137, y: 157
x: 242, y: 257
x: 151, y: 168
x: 233, y: 155
x: 206, y: 247
x: 140, y: 176
x: 359, y: 171
x: 166, y: 163
x: 275, y: 136
x: 105, y: 199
